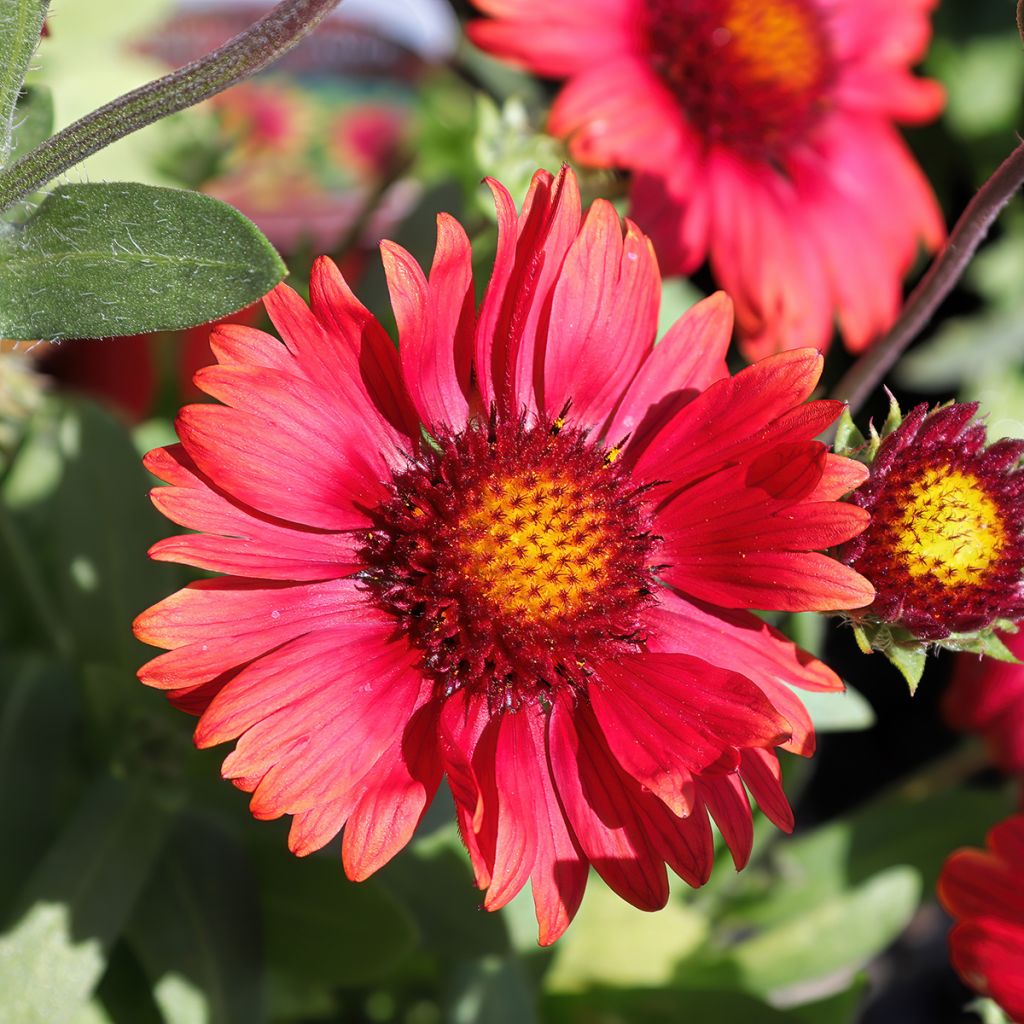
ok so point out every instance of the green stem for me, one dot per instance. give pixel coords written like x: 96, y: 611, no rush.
x: 249, y: 52
x: 32, y: 583
x: 970, y: 230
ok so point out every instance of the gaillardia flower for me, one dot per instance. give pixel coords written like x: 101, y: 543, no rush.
x: 945, y: 548
x: 760, y: 133
x: 515, y: 551
x: 982, y: 890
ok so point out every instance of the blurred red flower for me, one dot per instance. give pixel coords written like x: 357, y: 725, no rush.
x: 516, y: 551
x: 987, y: 696
x: 982, y: 890
x: 760, y: 134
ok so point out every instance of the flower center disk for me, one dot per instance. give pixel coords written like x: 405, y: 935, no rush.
x: 950, y: 528
x: 514, y: 555
x: 754, y: 75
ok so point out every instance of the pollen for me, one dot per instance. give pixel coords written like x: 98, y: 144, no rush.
x: 536, y: 547
x: 950, y: 529
x: 754, y: 75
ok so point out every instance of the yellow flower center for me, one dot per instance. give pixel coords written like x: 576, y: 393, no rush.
x: 776, y: 41
x: 534, y: 545
x: 951, y: 529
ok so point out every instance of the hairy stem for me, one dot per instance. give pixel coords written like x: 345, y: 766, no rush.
x: 249, y: 52
x: 867, y: 373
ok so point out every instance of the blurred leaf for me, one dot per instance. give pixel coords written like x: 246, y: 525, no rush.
x: 77, y: 902
x: 842, y: 1008
x: 21, y: 21
x: 974, y: 348
x: 838, y: 712
x: 983, y: 77
x: 678, y: 294
x: 661, y: 1006
x: 102, y: 260
x: 613, y: 943
x: 989, y: 1012
x: 910, y: 828
x: 510, y: 145
x: 33, y: 120
x: 196, y: 929
x: 100, y: 524
x: 38, y: 706
x: 840, y: 932
x: 320, y: 926
x: 433, y: 882
x: 1001, y: 396
x: 491, y: 990
x: 123, y: 995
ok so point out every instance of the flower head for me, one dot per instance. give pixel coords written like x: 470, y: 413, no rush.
x: 760, y: 132
x: 945, y: 548
x: 981, y: 889
x: 516, y: 551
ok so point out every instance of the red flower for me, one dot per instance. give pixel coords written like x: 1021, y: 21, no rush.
x: 981, y: 888
x: 945, y: 548
x: 760, y: 132
x: 987, y: 696
x: 516, y: 551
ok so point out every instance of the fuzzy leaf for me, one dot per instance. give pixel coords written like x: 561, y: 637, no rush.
x: 104, y: 260
x: 33, y: 120
x: 21, y: 21
x: 849, y: 440
x: 910, y: 661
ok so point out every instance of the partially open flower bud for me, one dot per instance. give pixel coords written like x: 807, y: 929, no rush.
x: 945, y: 549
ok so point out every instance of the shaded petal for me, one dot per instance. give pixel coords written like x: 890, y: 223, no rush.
x: 375, y: 355
x: 735, y: 416
x: 398, y: 790
x: 513, y: 321
x: 600, y: 803
x: 604, y: 315
x: 435, y: 324
x: 684, y: 363
x: 667, y: 717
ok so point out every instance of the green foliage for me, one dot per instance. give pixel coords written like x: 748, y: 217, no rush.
x: 33, y: 119
x: 21, y: 21
x: 196, y: 929
x: 320, y: 926
x: 77, y: 902
x: 103, y: 260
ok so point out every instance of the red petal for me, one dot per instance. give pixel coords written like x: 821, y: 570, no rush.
x: 600, y: 804
x: 690, y: 357
x: 379, y: 371
x: 666, y: 716
x: 604, y: 315
x: 435, y: 324
x: 398, y: 790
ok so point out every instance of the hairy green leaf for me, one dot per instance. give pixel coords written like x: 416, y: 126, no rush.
x: 103, y: 260
x: 33, y: 120
x: 21, y: 21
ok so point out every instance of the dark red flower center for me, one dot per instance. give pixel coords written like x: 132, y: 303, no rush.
x: 514, y: 556
x: 754, y: 75
x: 944, y: 549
